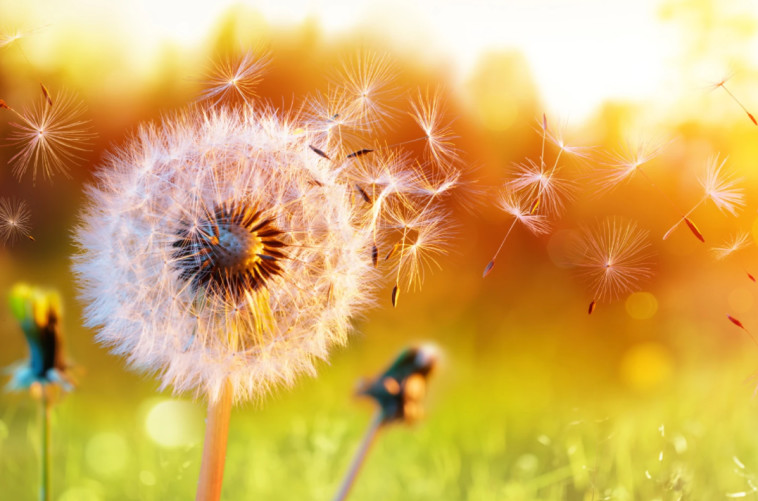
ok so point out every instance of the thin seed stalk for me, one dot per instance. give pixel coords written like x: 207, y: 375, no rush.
x: 214, y: 447
x: 44, y: 488
x: 360, y: 457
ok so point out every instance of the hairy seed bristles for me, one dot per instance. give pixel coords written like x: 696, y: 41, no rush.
x: 718, y: 186
x: 736, y: 243
x: 625, y: 164
x: 15, y: 220
x: 52, y: 138
x: 234, y: 80
x: 367, y: 81
x: 10, y: 37
x: 613, y: 258
x: 520, y: 208
x: 721, y: 187
x: 544, y: 186
x: 427, y: 113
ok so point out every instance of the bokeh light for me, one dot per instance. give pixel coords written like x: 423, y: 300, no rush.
x: 174, y: 423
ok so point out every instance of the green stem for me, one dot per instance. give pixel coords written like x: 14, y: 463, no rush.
x: 44, y: 489
x: 360, y: 457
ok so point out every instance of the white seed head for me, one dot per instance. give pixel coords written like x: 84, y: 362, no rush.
x: 226, y: 245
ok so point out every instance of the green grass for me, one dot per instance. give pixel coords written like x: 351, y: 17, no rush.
x: 487, y: 436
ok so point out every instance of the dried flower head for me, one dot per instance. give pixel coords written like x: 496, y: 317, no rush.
x: 613, y: 258
x: 232, y: 246
x: 51, y: 137
x: 15, y: 220
x: 38, y: 312
x: 721, y: 187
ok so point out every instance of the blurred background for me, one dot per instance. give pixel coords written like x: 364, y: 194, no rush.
x: 648, y: 398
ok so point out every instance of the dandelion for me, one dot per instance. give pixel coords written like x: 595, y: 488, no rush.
x: 15, y: 220
x: 234, y: 80
x: 718, y: 186
x: 398, y: 391
x: 222, y: 252
x: 46, y: 373
x: 367, y: 85
x: 613, y: 258
x: 51, y: 137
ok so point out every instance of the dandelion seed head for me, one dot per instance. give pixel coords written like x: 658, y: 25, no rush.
x: 613, y: 258
x: 15, y: 220
x: 218, y: 246
x: 721, y: 187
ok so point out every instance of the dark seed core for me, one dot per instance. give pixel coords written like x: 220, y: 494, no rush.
x: 229, y: 252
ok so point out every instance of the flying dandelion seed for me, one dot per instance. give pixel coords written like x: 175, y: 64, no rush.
x: 625, y: 164
x: 51, y: 137
x: 739, y: 324
x: 613, y: 258
x: 427, y: 112
x: 722, y: 84
x: 15, y: 220
x: 367, y: 82
x: 546, y: 188
x: 234, y: 80
x: 718, y: 186
x: 12, y: 36
x: 737, y: 242
x: 520, y: 208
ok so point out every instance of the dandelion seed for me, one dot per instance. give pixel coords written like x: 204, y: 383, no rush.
x: 395, y: 292
x: 4, y: 105
x: 318, y: 152
x: 557, y: 139
x: 427, y: 112
x: 625, y: 164
x: 719, y: 187
x: 694, y: 229
x: 739, y: 324
x: 738, y: 242
x: 613, y: 258
x: 514, y: 204
x: 359, y: 153
x: 11, y: 37
x: 552, y: 191
x: 722, y: 84
x: 46, y: 94
x: 233, y: 80
x: 51, y: 138
x: 15, y: 220
x: 367, y: 83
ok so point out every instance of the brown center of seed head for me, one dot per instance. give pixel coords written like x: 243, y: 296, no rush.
x: 229, y: 252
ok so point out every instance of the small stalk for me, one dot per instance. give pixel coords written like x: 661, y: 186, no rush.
x: 214, y: 447
x: 44, y: 488
x: 360, y: 456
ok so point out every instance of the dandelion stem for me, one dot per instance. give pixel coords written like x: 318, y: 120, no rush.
x: 44, y: 488
x: 214, y: 447
x: 360, y: 457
